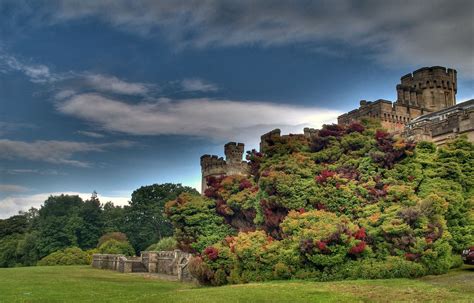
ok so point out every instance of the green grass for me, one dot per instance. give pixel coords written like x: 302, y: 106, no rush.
x: 85, y: 284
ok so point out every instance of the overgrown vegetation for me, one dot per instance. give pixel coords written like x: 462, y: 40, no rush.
x: 350, y: 202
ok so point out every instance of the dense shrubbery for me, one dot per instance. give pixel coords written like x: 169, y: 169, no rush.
x: 351, y: 202
x: 168, y: 243
x: 116, y: 247
x: 117, y: 236
x: 68, y: 256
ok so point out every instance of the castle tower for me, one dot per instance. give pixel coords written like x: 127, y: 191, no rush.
x: 216, y: 167
x: 429, y: 88
x: 211, y: 166
x: 233, y: 152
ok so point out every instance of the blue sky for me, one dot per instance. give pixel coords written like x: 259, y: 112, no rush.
x: 112, y: 95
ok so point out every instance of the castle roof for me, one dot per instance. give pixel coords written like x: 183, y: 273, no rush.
x: 450, y: 110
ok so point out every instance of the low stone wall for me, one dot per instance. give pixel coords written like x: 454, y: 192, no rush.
x: 173, y: 263
x: 106, y: 261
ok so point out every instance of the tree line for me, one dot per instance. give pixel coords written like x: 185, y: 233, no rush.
x: 67, y: 221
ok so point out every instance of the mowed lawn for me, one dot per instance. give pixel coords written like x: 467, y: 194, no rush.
x: 85, y: 284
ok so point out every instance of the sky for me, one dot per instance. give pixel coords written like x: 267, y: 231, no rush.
x: 111, y: 95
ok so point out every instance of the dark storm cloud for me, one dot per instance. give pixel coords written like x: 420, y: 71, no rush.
x: 392, y: 32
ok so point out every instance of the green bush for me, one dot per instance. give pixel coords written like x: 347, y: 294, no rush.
x: 68, y: 256
x: 165, y: 244
x: 350, y: 202
x: 392, y: 267
x: 116, y: 247
x: 117, y: 236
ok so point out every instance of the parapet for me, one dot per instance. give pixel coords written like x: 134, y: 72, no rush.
x: 212, y: 164
x: 427, y: 73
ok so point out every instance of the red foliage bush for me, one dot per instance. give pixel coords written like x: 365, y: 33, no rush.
x: 380, y: 135
x: 244, y: 183
x: 211, y: 252
x: 334, y: 130
x: 322, y: 246
x: 412, y: 257
x: 324, y: 175
x: 355, y: 127
x: 360, y: 234
x: 255, y: 158
x: 359, y: 248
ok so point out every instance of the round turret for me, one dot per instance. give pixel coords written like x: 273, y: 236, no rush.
x: 431, y: 88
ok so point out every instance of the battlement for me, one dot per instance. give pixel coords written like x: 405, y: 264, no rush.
x: 209, y: 162
x: 428, y: 89
x: 430, y: 77
x: 233, y: 152
x: 212, y: 165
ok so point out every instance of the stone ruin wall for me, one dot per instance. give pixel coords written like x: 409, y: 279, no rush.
x: 173, y: 263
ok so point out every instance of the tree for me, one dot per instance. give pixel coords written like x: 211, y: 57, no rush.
x: 92, y: 223
x: 145, y: 222
x: 113, y: 217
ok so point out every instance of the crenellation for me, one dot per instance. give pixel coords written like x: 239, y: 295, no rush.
x: 426, y: 90
x: 215, y: 166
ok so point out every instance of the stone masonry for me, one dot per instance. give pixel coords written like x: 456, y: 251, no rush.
x: 212, y: 165
x: 426, y: 90
x: 172, y: 263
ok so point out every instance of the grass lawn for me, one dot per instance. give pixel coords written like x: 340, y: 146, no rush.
x: 85, y: 284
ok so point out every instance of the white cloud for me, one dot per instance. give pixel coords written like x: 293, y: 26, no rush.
x: 57, y: 152
x: 40, y: 73
x: 198, y: 85
x: 115, y: 85
x: 217, y: 119
x: 418, y: 32
x: 11, y: 205
x: 37, y: 73
x: 11, y: 188
x: 20, y: 171
x: 90, y: 134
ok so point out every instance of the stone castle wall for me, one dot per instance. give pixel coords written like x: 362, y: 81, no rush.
x: 444, y: 125
x: 426, y: 90
x: 393, y: 116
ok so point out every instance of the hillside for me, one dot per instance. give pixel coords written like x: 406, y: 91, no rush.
x: 350, y: 202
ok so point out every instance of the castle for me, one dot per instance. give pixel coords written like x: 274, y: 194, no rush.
x: 425, y: 110
x: 426, y: 90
